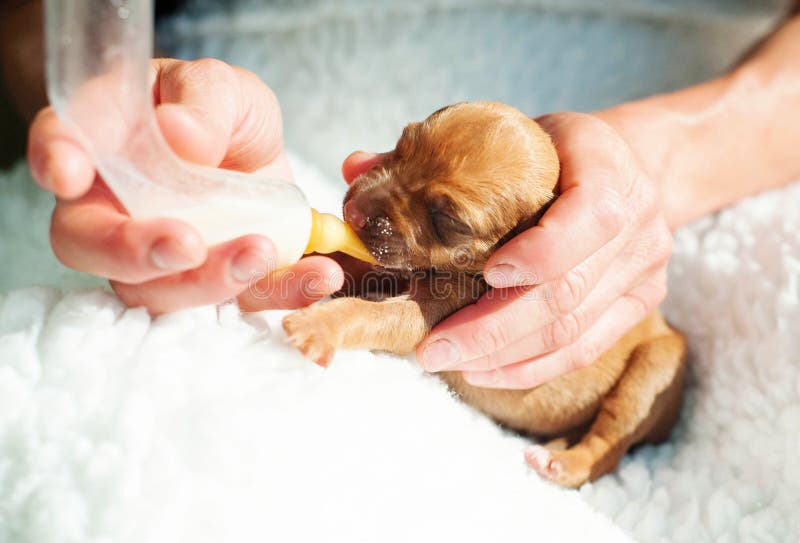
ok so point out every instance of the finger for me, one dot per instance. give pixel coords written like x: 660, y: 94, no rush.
x: 218, y: 115
x: 568, y: 329
x: 226, y: 272
x: 621, y: 317
x: 311, y: 279
x: 597, y: 172
x: 583, y: 219
x: 93, y: 235
x: 58, y: 162
x: 483, y: 332
x: 360, y: 162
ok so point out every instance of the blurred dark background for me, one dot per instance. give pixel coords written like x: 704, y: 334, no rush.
x: 12, y: 132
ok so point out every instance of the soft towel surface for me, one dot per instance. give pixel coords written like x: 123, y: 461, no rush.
x: 205, y: 426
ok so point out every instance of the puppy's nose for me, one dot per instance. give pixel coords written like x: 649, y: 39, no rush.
x: 354, y: 216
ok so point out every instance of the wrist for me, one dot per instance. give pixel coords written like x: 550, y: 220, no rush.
x: 705, y: 147
x: 655, y: 135
x: 710, y: 145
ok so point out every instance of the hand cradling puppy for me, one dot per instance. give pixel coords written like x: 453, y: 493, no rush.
x: 456, y: 187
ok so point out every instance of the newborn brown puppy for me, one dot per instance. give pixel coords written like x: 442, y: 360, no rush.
x: 456, y: 187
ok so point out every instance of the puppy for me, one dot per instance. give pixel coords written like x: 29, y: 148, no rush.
x: 456, y: 187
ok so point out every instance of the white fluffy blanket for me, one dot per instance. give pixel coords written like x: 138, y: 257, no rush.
x: 205, y: 426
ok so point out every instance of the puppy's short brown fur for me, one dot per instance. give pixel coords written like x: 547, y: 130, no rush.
x: 456, y: 187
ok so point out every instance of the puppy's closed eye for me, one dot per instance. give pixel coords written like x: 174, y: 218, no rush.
x: 448, y: 229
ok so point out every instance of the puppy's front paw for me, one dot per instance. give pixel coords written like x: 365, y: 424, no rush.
x: 570, y: 467
x: 311, y: 335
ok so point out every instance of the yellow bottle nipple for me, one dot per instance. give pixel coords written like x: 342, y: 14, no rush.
x: 329, y: 234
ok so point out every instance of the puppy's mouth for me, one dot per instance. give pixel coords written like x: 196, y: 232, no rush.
x: 395, y: 259
x: 378, y: 236
x: 389, y: 257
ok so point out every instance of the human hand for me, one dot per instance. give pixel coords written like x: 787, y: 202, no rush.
x: 593, y: 266
x: 211, y: 114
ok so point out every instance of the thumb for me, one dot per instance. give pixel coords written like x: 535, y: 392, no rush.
x: 360, y: 162
x: 218, y: 115
x: 197, y: 107
x: 194, y: 134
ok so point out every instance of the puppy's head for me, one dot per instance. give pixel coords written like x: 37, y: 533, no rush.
x: 454, y: 188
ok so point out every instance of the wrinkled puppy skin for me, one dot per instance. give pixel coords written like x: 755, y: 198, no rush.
x: 455, y: 188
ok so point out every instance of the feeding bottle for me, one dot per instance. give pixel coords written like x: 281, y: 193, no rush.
x: 99, y: 82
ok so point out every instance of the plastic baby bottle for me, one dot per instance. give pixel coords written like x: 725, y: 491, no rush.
x: 99, y: 83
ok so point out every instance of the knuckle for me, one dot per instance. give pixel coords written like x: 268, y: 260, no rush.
x: 610, y: 212
x: 270, y: 110
x: 664, y: 245
x: 263, y: 121
x: 658, y: 250
x: 660, y: 292
x: 644, y: 299
x: 210, y: 68
x: 252, y: 80
x: 125, y: 247
x: 200, y: 74
x: 564, y: 331
x: 568, y: 292
x: 128, y: 294
x: 588, y: 124
x: 657, y: 291
x: 133, y: 295
x: 491, y: 336
x: 583, y: 355
x: 490, y: 361
x: 648, y: 197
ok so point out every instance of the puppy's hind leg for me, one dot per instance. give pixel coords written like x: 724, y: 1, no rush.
x: 642, y: 407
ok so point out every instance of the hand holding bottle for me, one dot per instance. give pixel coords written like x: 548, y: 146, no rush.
x: 211, y: 114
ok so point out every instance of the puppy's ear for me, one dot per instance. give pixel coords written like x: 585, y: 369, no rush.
x: 449, y: 229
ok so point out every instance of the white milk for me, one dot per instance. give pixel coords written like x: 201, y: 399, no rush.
x: 287, y: 227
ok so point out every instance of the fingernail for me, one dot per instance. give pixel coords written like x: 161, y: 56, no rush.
x: 507, y: 275
x: 170, y: 254
x: 482, y: 378
x: 501, y: 275
x: 249, y: 262
x: 440, y: 355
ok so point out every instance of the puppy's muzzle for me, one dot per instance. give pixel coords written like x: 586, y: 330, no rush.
x: 377, y: 232
x: 369, y: 225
